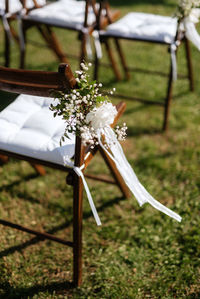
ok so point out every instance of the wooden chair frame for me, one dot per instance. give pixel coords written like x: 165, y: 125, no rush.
x: 178, y: 39
x: 41, y: 83
x: 49, y: 35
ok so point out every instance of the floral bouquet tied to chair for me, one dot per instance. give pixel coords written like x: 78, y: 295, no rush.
x: 30, y: 132
x: 188, y: 15
x: 89, y: 115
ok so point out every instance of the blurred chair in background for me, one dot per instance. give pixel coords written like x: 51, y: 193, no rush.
x: 9, y: 11
x: 149, y: 28
x: 78, y: 16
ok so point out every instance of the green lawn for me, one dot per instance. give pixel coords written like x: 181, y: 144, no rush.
x: 137, y: 252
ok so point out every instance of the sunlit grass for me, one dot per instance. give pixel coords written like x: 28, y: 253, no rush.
x: 138, y: 252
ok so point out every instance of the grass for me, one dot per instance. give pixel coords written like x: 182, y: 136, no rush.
x: 138, y: 252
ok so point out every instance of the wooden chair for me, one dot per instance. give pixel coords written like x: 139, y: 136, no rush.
x: 147, y: 28
x: 9, y: 9
x: 28, y: 131
x: 79, y: 16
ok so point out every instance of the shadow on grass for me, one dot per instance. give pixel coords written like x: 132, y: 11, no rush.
x: 138, y: 131
x: 52, y: 288
x: 17, y: 182
x: 55, y: 229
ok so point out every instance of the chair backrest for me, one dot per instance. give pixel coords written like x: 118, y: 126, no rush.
x: 38, y: 83
x: 105, y: 15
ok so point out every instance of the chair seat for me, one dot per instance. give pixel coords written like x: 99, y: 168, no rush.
x: 63, y: 13
x: 144, y: 26
x: 27, y: 127
x: 15, y: 5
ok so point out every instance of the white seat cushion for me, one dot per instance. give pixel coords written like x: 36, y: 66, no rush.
x: 27, y: 127
x: 144, y: 26
x: 15, y: 5
x: 63, y: 13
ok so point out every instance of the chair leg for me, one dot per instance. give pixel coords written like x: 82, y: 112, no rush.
x: 50, y: 37
x: 112, y: 60
x: 23, y: 48
x: 122, y: 58
x: 83, y: 48
x: 77, y: 214
x: 7, y: 50
x: 168, y: 101
x: 119, y: 180
x: 189, y: 64
x: 96, y: 68
x: 3, y: 159
x: 77, y: 230
x: 39, y: 169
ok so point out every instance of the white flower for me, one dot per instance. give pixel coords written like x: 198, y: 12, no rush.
x: 102, y: 116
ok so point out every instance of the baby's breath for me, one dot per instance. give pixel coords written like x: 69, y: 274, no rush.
x: 79, y: 109
x: 185, y: 7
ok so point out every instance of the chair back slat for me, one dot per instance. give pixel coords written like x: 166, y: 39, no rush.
x: 6, y: 5
x: 36, y: 82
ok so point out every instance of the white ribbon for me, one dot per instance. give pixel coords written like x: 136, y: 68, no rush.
x: 88, y: 42
x: 6, y: 25
x: 78, y: 171
x: 97, y: 44
x: 127, y: 173
x: 20, y: 27
x: 173, y: 49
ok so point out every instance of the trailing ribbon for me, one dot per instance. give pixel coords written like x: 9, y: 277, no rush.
x: 173, y: 49
x: 6, y: 25
x: 78, y: 171
x: 127, y: 173
x: 97, y: 44
x: 88, y: 42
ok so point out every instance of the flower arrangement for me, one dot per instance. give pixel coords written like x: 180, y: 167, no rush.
x: 85, y: 110
x: 185, y: 8
x: 89, y: 114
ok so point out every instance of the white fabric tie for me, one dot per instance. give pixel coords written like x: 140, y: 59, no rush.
x: 6, y: 25
x: 78, y: 171
x: 97, y: 44
x: 129, y: 176
x: 88, y: 42
x: 173, y: 49
x: 127, y: 173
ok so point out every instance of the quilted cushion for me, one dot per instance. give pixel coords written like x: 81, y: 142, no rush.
x: 15, y: 5
x: 28, y: 127
x: 144, y: 26
x: 63, y: 13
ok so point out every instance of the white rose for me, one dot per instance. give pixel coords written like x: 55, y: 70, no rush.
x: 102, y: 116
